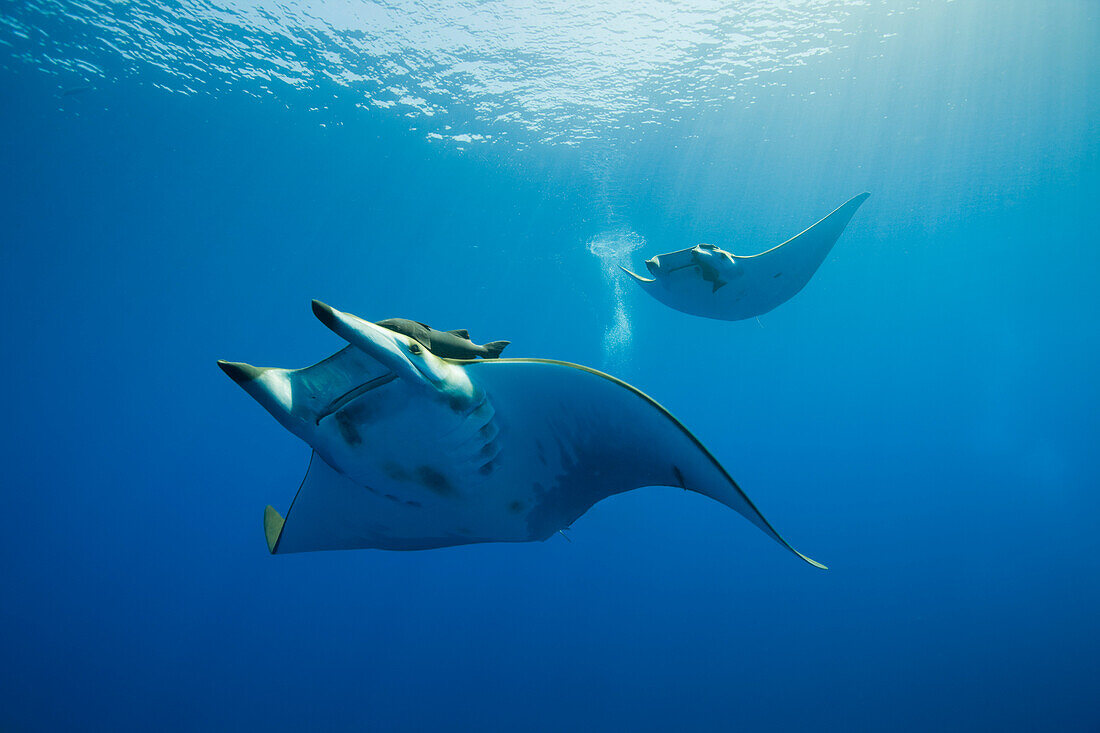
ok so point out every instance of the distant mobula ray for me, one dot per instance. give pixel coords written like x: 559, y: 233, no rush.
x: 412, y: 451
x: 708, y: 281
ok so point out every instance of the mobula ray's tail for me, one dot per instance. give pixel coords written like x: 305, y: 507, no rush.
x: 493, y: 349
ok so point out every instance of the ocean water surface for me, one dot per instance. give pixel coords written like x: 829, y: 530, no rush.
x: 181, y: 179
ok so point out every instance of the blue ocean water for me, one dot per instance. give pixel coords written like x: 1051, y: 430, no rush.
x: 180, y: 179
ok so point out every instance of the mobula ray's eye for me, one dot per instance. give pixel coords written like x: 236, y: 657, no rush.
x: 414, y: 348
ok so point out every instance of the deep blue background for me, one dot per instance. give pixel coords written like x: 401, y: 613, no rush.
x: 923, y: 417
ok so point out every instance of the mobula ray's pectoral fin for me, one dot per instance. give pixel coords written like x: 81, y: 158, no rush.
x: 239, y: 372
x: 602, y: 437
x: 268, y: 386
x: 273, y: 527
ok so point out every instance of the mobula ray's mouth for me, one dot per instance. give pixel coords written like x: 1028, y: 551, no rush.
x: 338, y: 404
x: 653, y: 264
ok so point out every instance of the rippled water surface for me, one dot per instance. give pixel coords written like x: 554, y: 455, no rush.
x: 469, y: 71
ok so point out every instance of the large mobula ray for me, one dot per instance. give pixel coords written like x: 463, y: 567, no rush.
x: 412, y: 451
x: 708, y: 281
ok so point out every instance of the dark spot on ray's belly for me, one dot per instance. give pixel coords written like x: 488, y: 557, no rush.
x: 347, y: 429
x: 515, y: 507
x: 434, y: 481
x: 395, y: 471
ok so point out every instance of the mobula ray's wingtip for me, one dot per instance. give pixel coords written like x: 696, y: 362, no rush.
x: 273, y: 527
x: 811, y: 561
x: 239, y: 372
